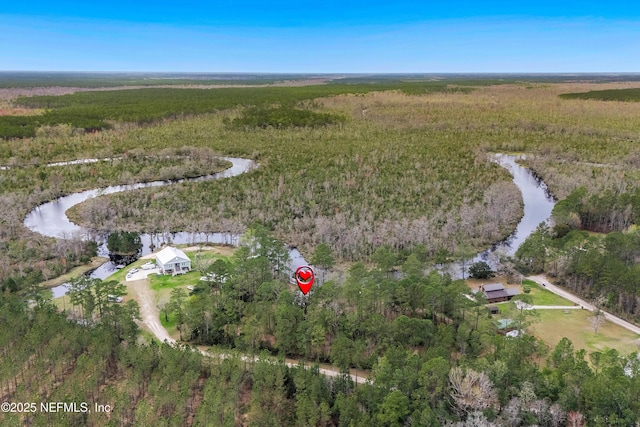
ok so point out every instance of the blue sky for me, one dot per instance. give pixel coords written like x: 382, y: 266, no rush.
x: 331, y: 36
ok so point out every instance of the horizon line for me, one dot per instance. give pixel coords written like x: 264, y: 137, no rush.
x: 332, y: 73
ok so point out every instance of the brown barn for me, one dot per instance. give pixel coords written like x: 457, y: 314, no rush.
x: 496, y: 292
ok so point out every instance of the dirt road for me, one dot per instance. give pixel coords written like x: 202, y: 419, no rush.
x: 542, y: 279
x: 150, y: 316
x: 149, y: 312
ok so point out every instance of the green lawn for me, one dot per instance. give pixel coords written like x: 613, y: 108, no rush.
x: 553, y: 325
x: 146, y: 337
x: 63, y: 303
x: 157, y: 283
x: 170, y: 325
x: 169, y: 282
x: 542, y: 296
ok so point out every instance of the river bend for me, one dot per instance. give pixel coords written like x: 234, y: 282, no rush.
x: 50, y: 219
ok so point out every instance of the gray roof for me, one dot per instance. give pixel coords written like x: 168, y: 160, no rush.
x: 493, y: 287
x: 497, y: 290
x: 497, y: 294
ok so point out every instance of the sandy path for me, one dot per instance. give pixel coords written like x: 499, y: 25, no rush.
x: 556, y: 307
x: 149, y: 312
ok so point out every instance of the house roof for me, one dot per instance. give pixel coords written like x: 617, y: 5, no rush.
x: 504, y: 323
x: 512, y: 291
x: 170, y: 253
x: 497, y: 294
x: 493, y: 287
x: 497, y: 290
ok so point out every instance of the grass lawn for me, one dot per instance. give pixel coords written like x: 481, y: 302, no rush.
x: 553, y: 325
x: 542, y: 296
x: 539, y: 295
x: 169, y: 282
x: 146, y: 337
x: 63, y: 303
x: 163, y: 285
x: 475, y: 283
x: 191, y: 250
x: 170, y: 325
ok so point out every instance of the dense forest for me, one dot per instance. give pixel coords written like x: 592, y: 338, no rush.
x: 26, y: 79
x: 382, y: 180
x: 433, y: 357
x: 353, y: 185
x: 632, y: 94
x: 93, y: 110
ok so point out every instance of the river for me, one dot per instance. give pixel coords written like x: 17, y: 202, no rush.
x: 538, y: 204
x: 50, y: 218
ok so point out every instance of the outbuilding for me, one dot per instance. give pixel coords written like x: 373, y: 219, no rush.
x: 496, y: 292
x: 172, y: 261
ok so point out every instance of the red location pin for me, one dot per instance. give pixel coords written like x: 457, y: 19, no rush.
x: 304, y: 278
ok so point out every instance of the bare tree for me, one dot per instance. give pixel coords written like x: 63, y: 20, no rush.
x: 471, y: 390
x: 557, y: 415
x: 511, y: 413
x: 201, y: 263
x: 598, y: 318
x: 575, y: 419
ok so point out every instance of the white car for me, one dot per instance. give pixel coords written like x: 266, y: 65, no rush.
x: 148, y: 266
x: 114, y: 298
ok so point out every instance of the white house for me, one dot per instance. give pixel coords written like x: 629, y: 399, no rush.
x: 173, y: 261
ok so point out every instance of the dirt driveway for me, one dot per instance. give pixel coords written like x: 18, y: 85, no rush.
x: 150, y: 315
x: 149, y: 312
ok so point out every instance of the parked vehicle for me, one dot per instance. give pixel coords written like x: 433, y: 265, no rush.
x: 148, y: 266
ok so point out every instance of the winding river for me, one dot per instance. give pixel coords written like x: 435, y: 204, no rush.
x: 538, y: 204
x: 50, y: 219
